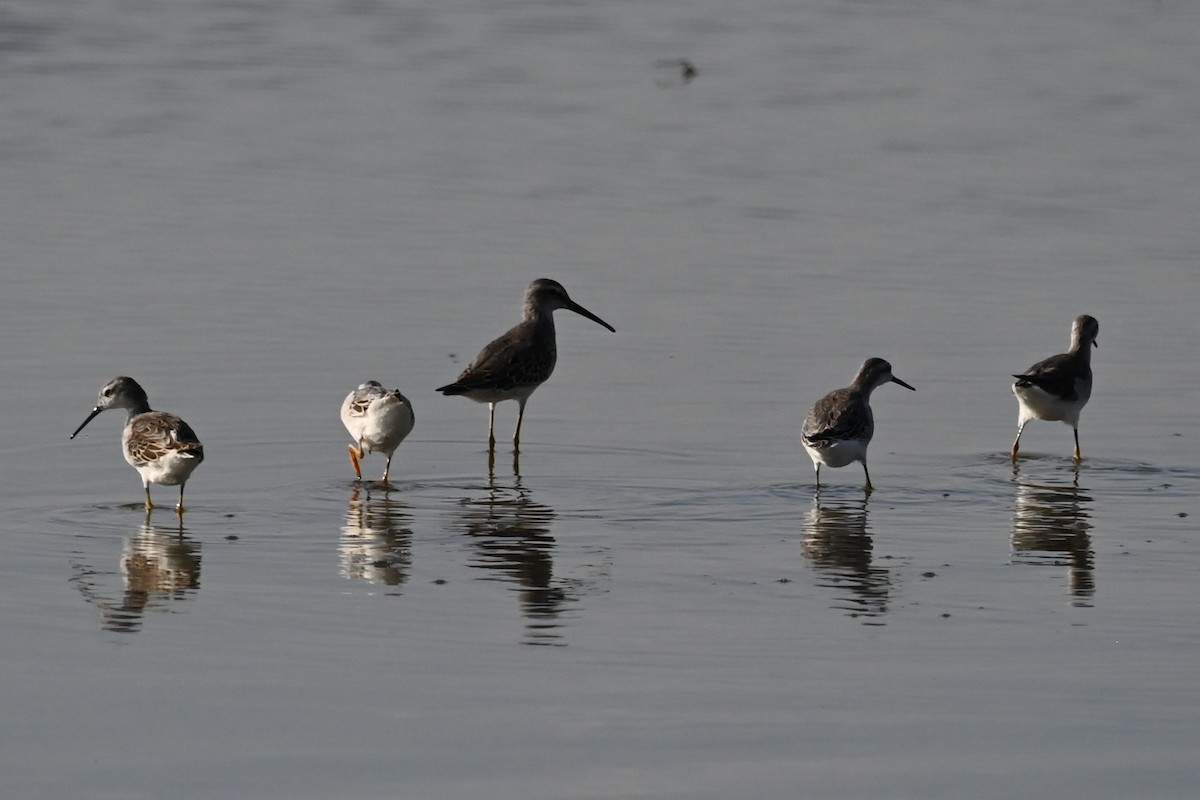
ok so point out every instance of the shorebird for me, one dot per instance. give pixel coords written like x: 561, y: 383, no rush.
x: 378, y: 419
x: 1059, y: 387
x: 514, y: 365
x: 839, y: 427
x: 160, y: 446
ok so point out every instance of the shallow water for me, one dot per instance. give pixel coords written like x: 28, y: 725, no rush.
x: 251, y: 208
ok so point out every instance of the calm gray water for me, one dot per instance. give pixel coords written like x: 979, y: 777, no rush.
x: 253, y: 207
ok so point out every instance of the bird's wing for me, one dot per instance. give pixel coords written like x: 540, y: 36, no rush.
x: 836, y: 417
x: 156, y: 434
x: 1056, y: 375
x: 513, y: 359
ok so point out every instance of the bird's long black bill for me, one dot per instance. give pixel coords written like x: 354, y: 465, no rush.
x: 583, y: 312
x: 91, y: 416
x: 902, y: 383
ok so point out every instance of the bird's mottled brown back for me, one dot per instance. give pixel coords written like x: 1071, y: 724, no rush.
x: 156, y: 433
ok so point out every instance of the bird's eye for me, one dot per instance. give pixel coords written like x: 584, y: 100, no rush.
x: 108, y: 392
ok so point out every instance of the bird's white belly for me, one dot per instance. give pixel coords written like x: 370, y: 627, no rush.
x: 838, y: 454
x: 1036, y: 403
x: 518, y: 393
x: 170, y: 469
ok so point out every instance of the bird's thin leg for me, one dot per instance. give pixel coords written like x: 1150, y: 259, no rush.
x: 517, y: 434
x: 868, y: 487
x: 1017, y: 442
x: 179, y: 508
x: 146, y: 486
x: 818, y: 475
x: 491, y: 427
x: 354, y: 456
x: 1078, y: 455
x: 386, y: 469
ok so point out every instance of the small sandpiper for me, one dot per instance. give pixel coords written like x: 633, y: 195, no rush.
x: 160, y: 446
x: 839, y: 427
x: 1059, y: 387
x: 514, y: 365
x: 378, y: 420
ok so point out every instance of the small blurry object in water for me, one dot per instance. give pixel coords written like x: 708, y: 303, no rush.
x: 683, y: 70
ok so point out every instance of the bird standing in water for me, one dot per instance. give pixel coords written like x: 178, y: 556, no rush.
x: 514, y: 365
x: 378, y: 419
x: 160, y: 446
x: 840, y: 425
x: 1058, y: 387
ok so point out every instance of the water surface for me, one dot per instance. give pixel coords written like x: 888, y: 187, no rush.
x: 252, y: 208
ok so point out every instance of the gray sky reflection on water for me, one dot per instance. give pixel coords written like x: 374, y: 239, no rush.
x: 253, y: 209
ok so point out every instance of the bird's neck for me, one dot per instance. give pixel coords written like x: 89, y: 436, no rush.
x: 536, y: 314
x: 139, y: 408
x: 862, y: 388
x: 1083, y: 349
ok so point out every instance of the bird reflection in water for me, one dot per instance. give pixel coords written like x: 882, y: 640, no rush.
x: 837, y: 541
x: 376, y: 541
x: 1051, y: 528
x: 511, y: 537
x: 160, y: 566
